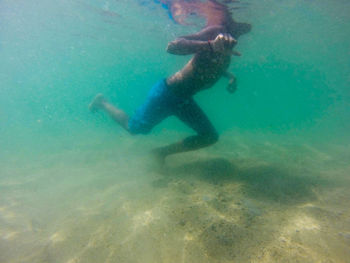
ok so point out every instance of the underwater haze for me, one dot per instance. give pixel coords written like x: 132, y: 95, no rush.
x: 76, y: 188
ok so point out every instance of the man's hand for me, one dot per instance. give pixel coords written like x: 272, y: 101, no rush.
x: 222, y: 42
x: 236, y: 53
x: 232, y: 85
x: 232, y: 82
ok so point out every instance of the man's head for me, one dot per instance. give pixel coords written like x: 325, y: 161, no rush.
x: 237, y: 29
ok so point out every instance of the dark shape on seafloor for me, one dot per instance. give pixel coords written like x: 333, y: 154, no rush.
x: 214, y: 12
x: 264, y: 181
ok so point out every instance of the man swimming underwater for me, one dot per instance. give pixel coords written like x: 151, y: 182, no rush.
x: 212, y: 49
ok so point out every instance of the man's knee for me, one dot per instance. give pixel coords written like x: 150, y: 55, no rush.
x: 210, y: 138
x: 214, y: 137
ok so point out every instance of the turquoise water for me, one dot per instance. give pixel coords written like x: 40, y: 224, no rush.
x: 74, y: 187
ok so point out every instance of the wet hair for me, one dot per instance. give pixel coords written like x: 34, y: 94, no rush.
x: 216, y: 14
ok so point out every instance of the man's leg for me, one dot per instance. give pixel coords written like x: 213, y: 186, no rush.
x: 193, y: 116
x: 149, y: 114
x: 99, y: 102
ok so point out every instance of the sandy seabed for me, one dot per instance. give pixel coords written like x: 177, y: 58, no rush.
x: 102, y: 199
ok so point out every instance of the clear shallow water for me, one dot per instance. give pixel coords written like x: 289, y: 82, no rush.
x: 75, y: 188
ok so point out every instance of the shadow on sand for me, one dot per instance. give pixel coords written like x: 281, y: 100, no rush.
x: 260, y: 180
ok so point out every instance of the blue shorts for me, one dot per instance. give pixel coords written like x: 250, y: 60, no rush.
x: 162, y: 103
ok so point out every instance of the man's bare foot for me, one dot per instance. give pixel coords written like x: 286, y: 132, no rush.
x: 97, y: 103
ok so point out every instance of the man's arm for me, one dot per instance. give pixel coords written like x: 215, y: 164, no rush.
x: 208, y: 33
x: 182, y: 46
